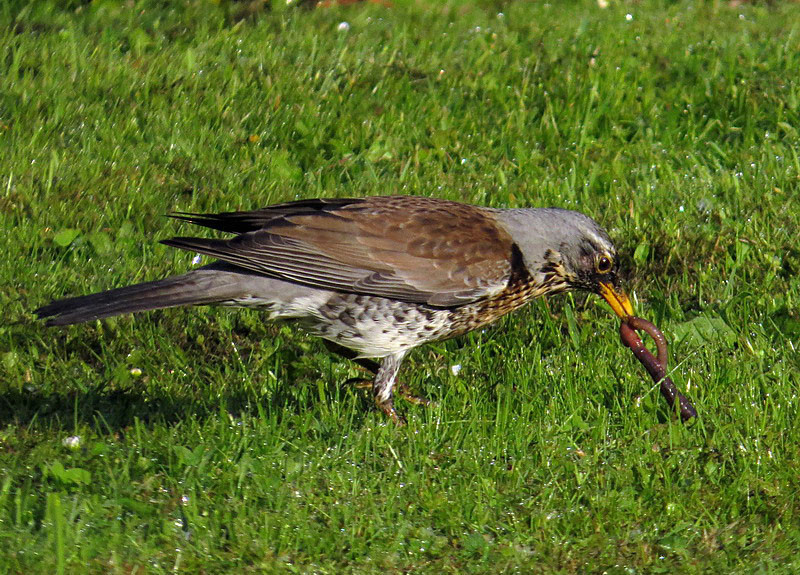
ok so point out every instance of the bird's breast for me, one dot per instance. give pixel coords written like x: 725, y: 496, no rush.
x: 481, y: 313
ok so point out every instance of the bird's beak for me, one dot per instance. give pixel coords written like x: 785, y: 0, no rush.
x: 618, y: 300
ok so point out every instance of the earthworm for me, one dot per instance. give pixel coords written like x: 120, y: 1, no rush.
x: 650, y: 329
x: 656, y: 367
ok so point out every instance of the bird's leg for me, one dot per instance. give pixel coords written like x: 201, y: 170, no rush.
x: 373, y: 366
x: 384, y: 382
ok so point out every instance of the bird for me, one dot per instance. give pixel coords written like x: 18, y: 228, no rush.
x: 378, y: 276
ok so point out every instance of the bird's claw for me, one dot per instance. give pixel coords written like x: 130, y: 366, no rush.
x: 387, y: 407
x: 359, y: 382
x: 401, y: 390
x: 404, y: 391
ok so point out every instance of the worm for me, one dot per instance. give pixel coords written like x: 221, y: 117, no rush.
x: 650, y: 329
x: 656, y: 367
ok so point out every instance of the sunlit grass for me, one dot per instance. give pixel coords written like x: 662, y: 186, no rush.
x: 205, y: 440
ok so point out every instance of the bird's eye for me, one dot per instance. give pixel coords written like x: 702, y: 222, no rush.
x: 603, y: 264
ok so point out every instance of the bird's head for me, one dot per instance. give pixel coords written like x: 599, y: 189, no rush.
x: 564, y: 249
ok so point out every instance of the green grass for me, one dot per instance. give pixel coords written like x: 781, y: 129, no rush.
x: 213, y: 442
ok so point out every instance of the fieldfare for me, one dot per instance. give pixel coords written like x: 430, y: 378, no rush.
x: 377, y: 276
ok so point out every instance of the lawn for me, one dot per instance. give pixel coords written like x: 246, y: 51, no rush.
x: 207, y: 440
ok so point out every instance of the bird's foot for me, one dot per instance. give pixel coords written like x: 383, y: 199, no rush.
x: 359, y: 383
x: 387, y: 407
x: 385, y: 379
x: 402, y: 390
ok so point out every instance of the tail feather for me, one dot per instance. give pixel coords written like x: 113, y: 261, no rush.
x: 194, y: 288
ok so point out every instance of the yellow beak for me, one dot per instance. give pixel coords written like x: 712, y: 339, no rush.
x: 618, y: 301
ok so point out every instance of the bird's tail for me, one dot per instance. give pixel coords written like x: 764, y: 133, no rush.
x: 197, y: 287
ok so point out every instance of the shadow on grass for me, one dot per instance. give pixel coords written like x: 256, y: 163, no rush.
x: 107, y: 410
x: 306, y: 380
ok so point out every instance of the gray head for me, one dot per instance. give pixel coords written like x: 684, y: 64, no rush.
x: 567, y: 250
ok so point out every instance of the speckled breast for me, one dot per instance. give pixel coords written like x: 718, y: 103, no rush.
x: 483, y: 312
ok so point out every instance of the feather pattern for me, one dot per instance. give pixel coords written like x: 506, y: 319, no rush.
x: 402, y: 248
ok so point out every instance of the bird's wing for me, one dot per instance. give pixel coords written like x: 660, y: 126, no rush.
x: 409, y: 248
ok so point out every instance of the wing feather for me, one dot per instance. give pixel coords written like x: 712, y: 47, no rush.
x: 409, y: 248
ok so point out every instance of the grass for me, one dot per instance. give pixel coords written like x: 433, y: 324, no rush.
x: 204, y: 440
